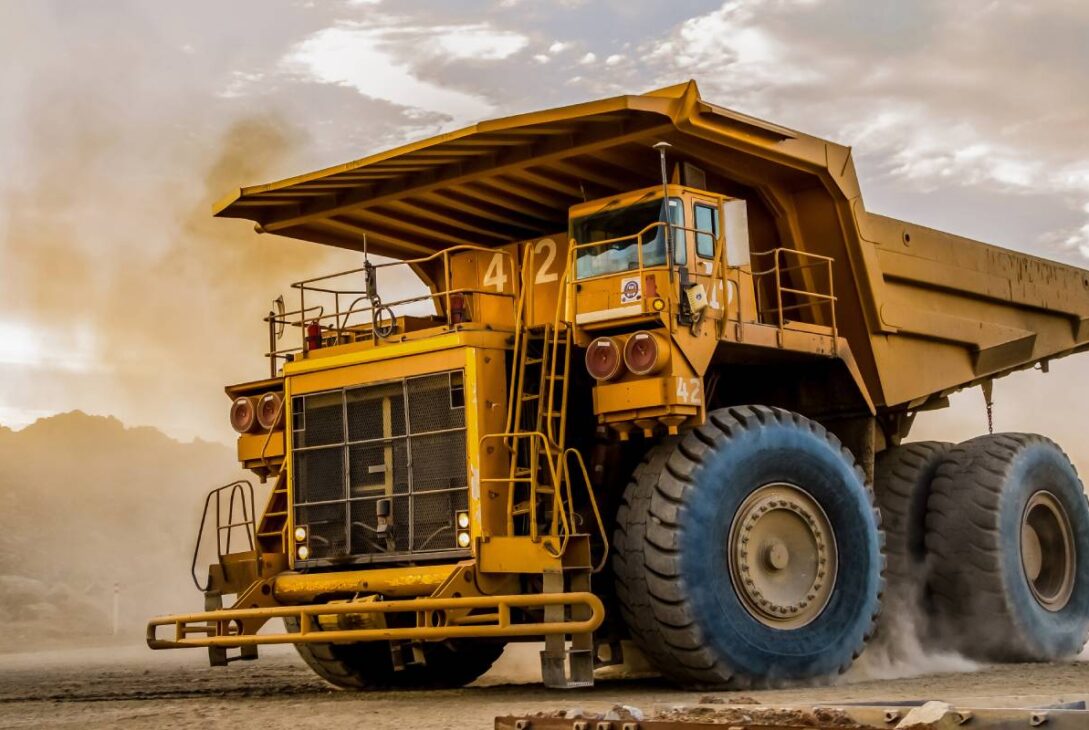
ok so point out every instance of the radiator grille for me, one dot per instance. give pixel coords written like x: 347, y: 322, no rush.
x: 403, y: 441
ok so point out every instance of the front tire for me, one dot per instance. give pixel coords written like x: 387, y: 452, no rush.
x: 1008, y: 537
x: 761, y: 553
x: 369, y: 665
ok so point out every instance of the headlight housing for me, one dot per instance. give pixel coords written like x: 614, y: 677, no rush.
x: 270, y: 410
x: 603, y: 359
x: 244, y: 415
x: 646, y: 353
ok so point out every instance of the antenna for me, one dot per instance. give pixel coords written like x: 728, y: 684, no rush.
x: 662, y: 147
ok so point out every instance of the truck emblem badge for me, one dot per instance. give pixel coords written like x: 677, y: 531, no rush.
x: 629, y: 291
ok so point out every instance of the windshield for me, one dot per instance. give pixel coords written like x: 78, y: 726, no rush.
x: 623, y: 255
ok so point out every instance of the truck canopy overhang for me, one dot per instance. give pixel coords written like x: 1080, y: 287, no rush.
x: 513, y: 178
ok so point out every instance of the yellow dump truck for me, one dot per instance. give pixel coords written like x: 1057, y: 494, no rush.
x: 637, y: 370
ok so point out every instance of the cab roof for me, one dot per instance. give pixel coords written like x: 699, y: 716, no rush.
x: 516, y: 177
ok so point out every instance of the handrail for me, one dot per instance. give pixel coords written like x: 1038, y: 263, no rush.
x: 337, y: 321
x: 557, y: 500
x: 565, y: 465
x: 236, y: 489
x: 574, y: 248
x: 816, y: 299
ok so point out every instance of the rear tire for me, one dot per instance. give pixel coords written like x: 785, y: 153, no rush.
x: 689, y: 585
x: 1008, y: 533
x: 369, y: 665
x: 902, y: 482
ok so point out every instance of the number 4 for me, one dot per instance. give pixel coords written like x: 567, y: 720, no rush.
x: 496, y: 275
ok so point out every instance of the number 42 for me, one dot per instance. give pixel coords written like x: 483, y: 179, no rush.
x: 689, y: 389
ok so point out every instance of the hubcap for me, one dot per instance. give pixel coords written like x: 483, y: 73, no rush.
x: 782, y: 556
x: 1047, y: 551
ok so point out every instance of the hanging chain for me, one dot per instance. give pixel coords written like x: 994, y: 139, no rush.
x: 988, y: 387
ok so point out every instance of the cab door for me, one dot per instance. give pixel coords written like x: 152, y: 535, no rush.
x: 706, y: 268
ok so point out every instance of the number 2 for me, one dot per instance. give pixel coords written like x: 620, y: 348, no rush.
x: 544, y: 276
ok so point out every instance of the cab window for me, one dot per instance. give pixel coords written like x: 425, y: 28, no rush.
x: 622, y: 226
x: 706, y: 220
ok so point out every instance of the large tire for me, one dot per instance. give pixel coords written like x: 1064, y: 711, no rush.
x: 683, y: 596
x: 629, y: 569
x: 1004, y: 507
x: 902, y: 480
x: 369, y: 665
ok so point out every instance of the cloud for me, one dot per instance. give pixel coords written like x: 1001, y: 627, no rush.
x: 481, y: 42
x: 359, y: 57
x: 933, y: 97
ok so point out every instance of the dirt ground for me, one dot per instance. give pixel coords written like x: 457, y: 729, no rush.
x: 134, y: 687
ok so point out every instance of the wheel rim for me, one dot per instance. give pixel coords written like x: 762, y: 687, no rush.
x: 1047, y: 551
x: 782, y: 556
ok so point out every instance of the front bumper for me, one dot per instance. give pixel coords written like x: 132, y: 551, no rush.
x: 436, y: 619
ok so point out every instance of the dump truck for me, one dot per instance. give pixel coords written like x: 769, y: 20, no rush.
x: 635, y: 374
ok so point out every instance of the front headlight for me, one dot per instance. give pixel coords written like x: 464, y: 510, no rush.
x: 463, y: 520
x: 270, y: 410
x: 303, y: 552
x: 300, y: 534
x: 243, y: 415
x: 603, y: 359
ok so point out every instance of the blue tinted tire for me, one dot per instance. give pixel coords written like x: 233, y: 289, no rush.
x: 1008, y: 542
x: 760, y: 553
x: 902, y: 482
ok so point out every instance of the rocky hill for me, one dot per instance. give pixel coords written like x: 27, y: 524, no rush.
x: 88, y: 505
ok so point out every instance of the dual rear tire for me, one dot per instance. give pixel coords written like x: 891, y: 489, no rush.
x: 989, y: 541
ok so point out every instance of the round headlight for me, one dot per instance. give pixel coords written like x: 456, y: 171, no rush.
x: 269, y: 413
x: 603, y: 360
x: 300, y: 534
x: 243, y: 415
x: 303, y: 552
x: 463, y: 539
x: 463, y: 520
x: 646, y: 353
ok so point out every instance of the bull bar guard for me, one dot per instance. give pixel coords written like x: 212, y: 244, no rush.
x: 237, y: 627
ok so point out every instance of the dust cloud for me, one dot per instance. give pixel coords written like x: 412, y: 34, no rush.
x: 119, y: 129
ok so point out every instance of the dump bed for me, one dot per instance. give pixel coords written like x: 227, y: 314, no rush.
x: 924, y: 312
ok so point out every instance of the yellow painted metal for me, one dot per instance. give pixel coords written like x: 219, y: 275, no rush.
x: 260, y: 447
x: 221, y: 628
x: 520, y: 554
x: 417, y: 580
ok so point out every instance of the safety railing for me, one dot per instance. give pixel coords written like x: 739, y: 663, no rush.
x: 636, y: 239
x: 340, y: 308
x: 565, y: 476
x: 540, y: 452
x: 237, y: 500
x: 789, y: 261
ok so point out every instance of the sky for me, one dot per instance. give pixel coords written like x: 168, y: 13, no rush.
x: 122, y: 122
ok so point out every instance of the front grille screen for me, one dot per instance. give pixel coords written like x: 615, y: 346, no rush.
x: 401, y: 441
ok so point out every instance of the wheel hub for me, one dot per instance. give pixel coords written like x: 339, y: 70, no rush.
x: 1047, y: 551
x: 782, y: 556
